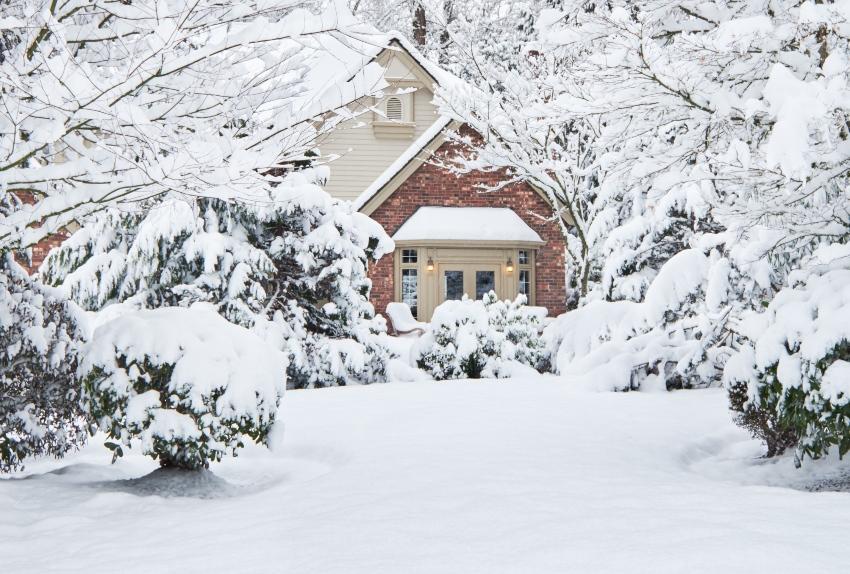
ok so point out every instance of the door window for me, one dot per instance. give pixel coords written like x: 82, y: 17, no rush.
x: 485, y: 281
x: 453, y: 285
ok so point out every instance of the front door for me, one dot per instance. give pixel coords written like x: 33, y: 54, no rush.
x: 474, y: 280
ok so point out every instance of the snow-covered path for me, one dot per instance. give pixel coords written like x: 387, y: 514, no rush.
x: 496, y: 476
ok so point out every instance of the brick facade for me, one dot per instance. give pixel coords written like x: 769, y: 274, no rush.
x: 38, y: 252
x: 431, y: 185
x: 41, y: 249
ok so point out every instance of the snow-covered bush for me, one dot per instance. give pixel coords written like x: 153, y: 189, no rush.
x: 189, y: 385
x: 515, y: 331
x: 488, y: 337
x: 791, y: 386
x: 320, y: 361
x: 299, y: 260
x: 454, y: 346
x: 40, y: 335
x: 671, y: 339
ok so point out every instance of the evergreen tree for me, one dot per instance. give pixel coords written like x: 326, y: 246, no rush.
x: 788, y: 383
x: 40, y: 338
x: 293, y: 267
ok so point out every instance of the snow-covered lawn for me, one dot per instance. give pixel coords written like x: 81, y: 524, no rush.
x: 487, y: 476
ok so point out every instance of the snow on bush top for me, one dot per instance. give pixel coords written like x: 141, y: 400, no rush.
x: 604, y: 342
x: 485, y: 337
x: 810, y: 318
x: 211, y: 357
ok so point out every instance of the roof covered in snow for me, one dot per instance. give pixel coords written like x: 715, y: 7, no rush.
x: 441, y: 76
x: 466, y: 224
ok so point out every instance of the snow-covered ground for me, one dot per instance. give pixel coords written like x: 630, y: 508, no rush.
x: 485, y: 476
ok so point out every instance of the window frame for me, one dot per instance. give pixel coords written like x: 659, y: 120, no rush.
x: 409, y: 252
x: 528, y: 266
x: 411, y: 272
x: 414, y: 266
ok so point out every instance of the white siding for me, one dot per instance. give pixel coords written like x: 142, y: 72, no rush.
x: 363, y: 154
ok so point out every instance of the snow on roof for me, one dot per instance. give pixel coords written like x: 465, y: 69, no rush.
x: 365, y: 43
x: 406, y: 157
x: 466, y: 224
x: 443, y: 77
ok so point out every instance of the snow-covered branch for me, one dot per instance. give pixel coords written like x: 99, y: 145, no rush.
x: 110, y: 103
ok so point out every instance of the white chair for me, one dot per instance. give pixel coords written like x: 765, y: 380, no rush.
x: 403, y: 322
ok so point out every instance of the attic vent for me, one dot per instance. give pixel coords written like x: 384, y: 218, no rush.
x: 394, y: 109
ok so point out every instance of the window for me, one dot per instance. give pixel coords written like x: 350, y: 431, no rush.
x: 525, y: 263
x: 525, y: 282
x: 409, y: 256
x: 453, y: 285
x: 410, y: 289
x: 394, y: 111
x: 485, y: 281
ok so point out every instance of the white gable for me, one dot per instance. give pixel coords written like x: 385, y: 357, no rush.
x: 396, y: 69
x: 364, y: 148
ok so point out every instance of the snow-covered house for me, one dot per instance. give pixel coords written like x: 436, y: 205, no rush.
x: 451, y: 239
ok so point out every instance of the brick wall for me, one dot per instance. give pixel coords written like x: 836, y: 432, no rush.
x: 432, y: 186
x: 40, y: 250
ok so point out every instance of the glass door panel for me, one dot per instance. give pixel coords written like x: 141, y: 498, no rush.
x: 485, y: 281
x: 452, y: 284
x: 475, y: 280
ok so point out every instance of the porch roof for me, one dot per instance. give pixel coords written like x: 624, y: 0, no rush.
x: 486, y: 224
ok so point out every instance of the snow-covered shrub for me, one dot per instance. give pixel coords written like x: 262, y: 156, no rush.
x: 40, y: 335
x: 671, y: 339
x: 515, y: 331
x: 470, y: 338
x: 189, y: 385
x: 299, y: 260
x: 791, y: 386
x: 168, y: 253
x: 319, y: 361
x: 454, y: 347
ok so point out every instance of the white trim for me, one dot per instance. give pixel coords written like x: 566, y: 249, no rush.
x: 403, y: 160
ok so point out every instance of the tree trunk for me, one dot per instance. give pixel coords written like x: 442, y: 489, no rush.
x: 419, y: 24
x: 445, y: 38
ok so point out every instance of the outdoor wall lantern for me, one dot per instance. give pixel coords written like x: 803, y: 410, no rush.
x: 430, y: 266
x: 510, y: 265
